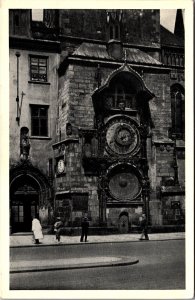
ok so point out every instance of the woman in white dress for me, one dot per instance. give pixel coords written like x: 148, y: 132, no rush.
x: 37, y: 229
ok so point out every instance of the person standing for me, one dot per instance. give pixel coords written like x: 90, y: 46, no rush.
x: 57, y: 228
x: 84, y: 226
x: 144, y: 228
x: 37, y: 229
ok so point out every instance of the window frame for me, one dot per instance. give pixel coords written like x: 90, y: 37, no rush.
x: 178, y: 110
x: 39, y: 106
x: 38, y: 57
x: 18, y: 213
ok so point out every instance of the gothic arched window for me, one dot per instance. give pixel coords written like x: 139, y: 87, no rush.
x: 178, y: 110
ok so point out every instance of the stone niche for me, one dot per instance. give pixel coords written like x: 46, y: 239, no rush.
x: 172, y: 209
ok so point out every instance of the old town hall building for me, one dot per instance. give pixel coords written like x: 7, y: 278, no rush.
x: 96, y: 119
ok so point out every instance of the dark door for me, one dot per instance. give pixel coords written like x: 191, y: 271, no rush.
x: 23, y: 208
x: 123, y: 224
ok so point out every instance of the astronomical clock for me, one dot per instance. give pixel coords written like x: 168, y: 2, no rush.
x: 122, y: 137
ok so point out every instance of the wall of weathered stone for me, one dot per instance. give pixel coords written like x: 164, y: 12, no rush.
x: 76, y: 88
x: 160, y: 105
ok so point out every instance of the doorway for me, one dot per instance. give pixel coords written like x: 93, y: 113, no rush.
x: 24, y: 203
x: 23, y: 208
x: 123, y: 224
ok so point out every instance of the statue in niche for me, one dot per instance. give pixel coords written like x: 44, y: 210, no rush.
x: 94, y: 146
x: 87, y: 150
x: 24, y: 143
x: 68, y: 129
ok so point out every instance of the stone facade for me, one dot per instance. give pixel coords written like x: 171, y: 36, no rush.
x: 110, y: 150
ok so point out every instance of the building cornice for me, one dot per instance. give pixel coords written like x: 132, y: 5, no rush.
x: 85, y: 60
x: 34, y: 44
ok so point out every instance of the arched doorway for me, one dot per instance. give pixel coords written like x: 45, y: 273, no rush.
x: 123, y: 223
x: 30, y: 193
x: 24, y: 202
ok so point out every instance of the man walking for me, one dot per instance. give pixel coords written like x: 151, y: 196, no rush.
x: 57, y: 228
x: 84, y: 226
x: 144, y: 228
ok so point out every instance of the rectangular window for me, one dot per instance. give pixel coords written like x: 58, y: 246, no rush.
x: 38, y: 68
x: 39, y: 120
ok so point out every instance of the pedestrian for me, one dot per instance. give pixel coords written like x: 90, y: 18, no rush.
x: 84, y: 226
x: 144, y: 228
x: 37, y: 229
x: 58, y: 228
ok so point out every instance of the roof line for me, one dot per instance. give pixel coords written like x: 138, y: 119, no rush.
x: 80, y: 58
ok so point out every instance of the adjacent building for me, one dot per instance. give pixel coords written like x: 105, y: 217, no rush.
x: 96, y: 119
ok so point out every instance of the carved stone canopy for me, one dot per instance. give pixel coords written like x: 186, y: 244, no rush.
x: 131, y: 86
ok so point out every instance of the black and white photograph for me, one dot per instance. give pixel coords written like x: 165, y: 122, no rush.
x: 98, y: 189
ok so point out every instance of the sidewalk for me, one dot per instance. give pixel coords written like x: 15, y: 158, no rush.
x: 25, y: 240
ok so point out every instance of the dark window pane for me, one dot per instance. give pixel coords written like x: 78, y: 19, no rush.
x: 43, y: 129
x: 15, y: 213
x: 35, y: 111
x: 42, y: 70
x: 42, y: 62
x: 43, y: 111
x: 34, y: 61
x: 35, y: 127
x: 39, y: 121
x: 34, y: 69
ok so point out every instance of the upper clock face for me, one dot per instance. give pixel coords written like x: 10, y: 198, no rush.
x: 122, y: 137
x: 61, y: 166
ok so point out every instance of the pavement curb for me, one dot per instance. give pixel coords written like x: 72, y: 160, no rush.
x: 89, y: 243
x: 74, y: 267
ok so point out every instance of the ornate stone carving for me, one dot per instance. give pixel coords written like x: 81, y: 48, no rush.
x: 24, y: 143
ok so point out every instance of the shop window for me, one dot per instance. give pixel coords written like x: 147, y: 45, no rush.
x: 80, y: 202
x: 38, y: 68
x: 178, y: 110
x: 39, y: 120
